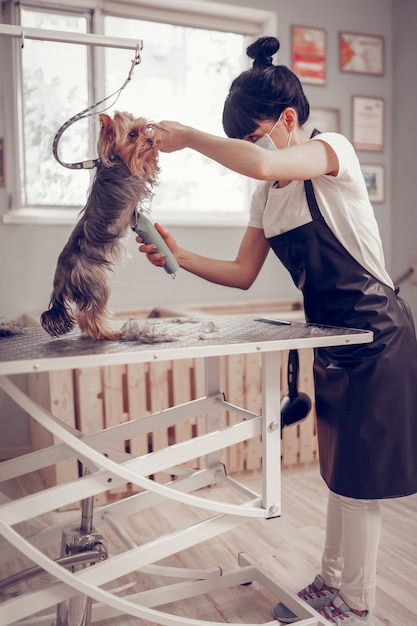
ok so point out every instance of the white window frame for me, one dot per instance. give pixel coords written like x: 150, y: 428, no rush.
x: 206, y: 14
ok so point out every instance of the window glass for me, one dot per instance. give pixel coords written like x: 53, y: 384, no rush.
x: 55, y: 87
x: 185, y: 75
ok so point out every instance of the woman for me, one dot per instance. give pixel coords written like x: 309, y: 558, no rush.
x: 314, y: 212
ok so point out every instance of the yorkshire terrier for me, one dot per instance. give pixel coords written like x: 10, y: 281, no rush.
x: 126, y: 172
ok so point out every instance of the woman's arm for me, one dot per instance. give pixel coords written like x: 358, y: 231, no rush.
x: 239, y: 273
x: 309, y: 159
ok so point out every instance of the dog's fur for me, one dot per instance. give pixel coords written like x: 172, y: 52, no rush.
x: 126, y: 173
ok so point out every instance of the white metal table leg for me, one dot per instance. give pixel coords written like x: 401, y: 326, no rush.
x: 271, y: 433
x: 212, y: 387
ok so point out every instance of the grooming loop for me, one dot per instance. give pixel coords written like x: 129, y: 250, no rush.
x: 88, y: 112
x: 103, y: 585
x: 136, y: 61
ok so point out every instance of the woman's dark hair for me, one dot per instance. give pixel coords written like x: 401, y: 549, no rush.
x: 262, y: 92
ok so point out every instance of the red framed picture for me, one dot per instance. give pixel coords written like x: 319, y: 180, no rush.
x: 309, y: 54
x: 361, y: 54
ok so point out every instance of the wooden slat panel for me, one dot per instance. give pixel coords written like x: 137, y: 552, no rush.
x: 290, y: 445
x: 115, y: 412
x: 39, y: 391
x: 137, y: 377
x: 223, y: 415
x: 89, y: 399
x: 182, y: 391
x: 253, y: 393
x: 90, y: 406
x: 307, y: 430
x: 63, y: 407
x: 114, y: 382
x: 235, y: 394
x: 198, y: 380
x: 53, y: 391
x: 159, y: 394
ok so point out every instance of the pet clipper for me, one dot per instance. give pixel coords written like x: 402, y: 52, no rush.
x: 144, y: 227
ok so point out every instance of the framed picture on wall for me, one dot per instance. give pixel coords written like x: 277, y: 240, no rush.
x: 361, y: 54
x: 324, y: 120
x: 309, y: 54
x: 368, y: 123
x: 374, y: 176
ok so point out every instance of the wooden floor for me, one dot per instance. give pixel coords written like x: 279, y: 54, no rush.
x: 288, y: 547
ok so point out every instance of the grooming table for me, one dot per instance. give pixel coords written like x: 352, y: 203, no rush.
x: 35, y: 351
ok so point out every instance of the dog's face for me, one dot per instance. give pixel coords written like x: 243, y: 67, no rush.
x: 131, y: 139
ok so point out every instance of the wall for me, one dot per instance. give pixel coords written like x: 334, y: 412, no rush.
x: 29, y: 252
x: 404, y: 136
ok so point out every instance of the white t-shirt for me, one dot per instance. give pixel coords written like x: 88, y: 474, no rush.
x: 343, y: 202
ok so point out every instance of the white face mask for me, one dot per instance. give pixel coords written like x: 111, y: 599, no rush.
x: 265, y: 141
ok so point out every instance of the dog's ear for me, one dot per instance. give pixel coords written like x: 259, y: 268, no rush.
x: 106, y: 137
x: 107, y: 129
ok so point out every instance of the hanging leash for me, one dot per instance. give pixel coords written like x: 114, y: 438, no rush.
x: 91, y: 110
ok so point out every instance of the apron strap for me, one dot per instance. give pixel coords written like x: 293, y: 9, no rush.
x: 311, y: 199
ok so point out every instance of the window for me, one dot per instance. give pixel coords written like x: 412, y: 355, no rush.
x: 52, y: 93
x: 189, y: 59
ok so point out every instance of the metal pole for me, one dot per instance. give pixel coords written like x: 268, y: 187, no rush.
x: 86, y: 39
x: 77, y: 610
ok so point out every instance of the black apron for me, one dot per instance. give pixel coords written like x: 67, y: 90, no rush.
x: 366, y: 395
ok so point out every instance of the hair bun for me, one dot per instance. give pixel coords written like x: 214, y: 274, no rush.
x: 262, y: 51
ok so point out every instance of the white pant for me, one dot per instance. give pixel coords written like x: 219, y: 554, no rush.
x: 351, y: 547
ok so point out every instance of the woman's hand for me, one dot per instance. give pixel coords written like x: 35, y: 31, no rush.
x: 157, y: 258
x: 170, y: 136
